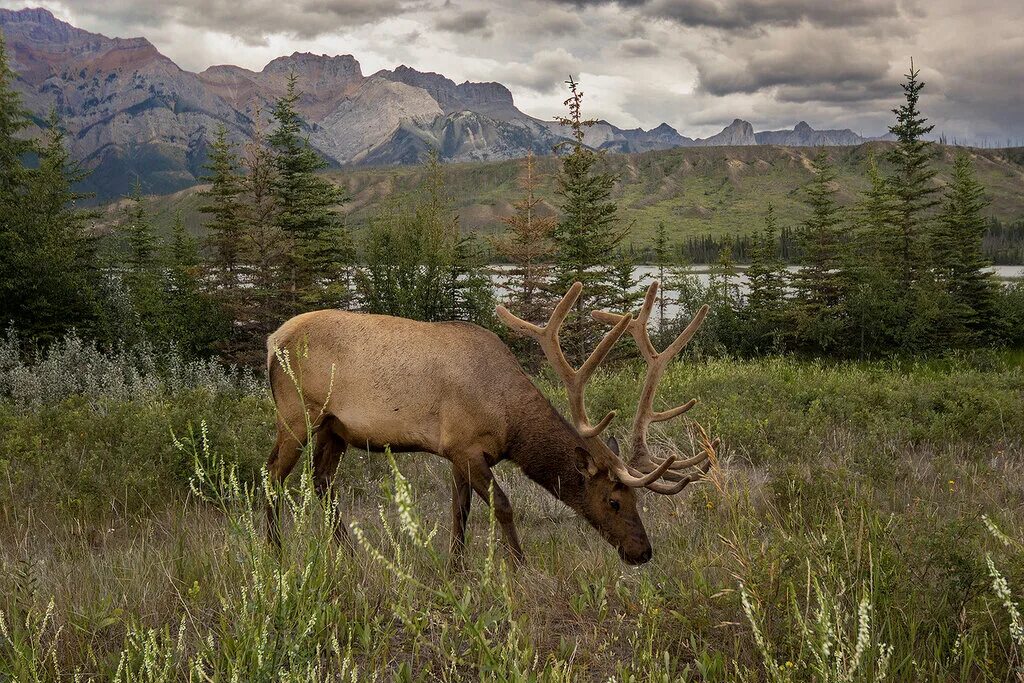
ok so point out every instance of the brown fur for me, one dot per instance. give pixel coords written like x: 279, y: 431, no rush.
x: 452, y: 389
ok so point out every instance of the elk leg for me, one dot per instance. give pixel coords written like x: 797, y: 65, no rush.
x: 330, y: 448
x: 483, y: 482
x: 462, y: 497
x: 282, y: 460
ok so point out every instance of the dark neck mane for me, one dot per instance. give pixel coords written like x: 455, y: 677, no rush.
x: 543, y: 445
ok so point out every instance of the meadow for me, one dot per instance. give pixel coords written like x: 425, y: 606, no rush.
x: 865, y: 521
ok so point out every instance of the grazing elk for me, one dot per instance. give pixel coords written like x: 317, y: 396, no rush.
x: 454, y: 389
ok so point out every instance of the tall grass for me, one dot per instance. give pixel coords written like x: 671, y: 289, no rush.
x: 865, y: 523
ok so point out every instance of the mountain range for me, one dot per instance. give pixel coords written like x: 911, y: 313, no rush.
x: 133, y: 114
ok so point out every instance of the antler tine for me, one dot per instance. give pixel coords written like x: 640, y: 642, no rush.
x: 641, y: 479
x: 574, y: 380
x: 656, y: 365
x: 675, y: 481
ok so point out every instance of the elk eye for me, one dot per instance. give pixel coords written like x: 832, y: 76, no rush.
x: 614, y: 504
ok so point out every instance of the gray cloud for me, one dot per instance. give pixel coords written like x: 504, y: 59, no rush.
x: 252, y: 24
x: 747, y: 14
x: 639, y: 47
x: 464, y: 21
x: 802, y: 61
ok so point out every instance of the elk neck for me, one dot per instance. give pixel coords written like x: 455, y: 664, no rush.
x: 543, y: 445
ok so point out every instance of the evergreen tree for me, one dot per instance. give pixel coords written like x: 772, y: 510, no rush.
x: 418, y: 265
x: 766, y: 278
x: 142, y: 275
x: 588, y: 231
x: 662, y: 261
x: 226, y: 224
x: 625, y: 293
x: 194, y: 322
x: 321, y: 249
x: 14, y: 176
x: 60, y: 268
x: 874, y: 308
x: 912, y: 180
x: 14, y: 119
x: 960, y: 263
x: 819, y: 282
x: 723, y: 297
x: 527, y: 245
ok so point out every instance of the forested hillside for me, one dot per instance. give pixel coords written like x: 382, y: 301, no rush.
x: 694, y: 191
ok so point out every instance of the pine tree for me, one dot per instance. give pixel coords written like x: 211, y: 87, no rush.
x: 54, y: 276
x: 527, y: 245
x: 14, y: 177
x: 226, y: 224
x: 194, y: 322
x: 912, y: 180
x: 14, y: 119
x: 766, y: 278
x: 321, y: 247
x: 142, y: 274
x: 588, y: 231
x: 662, y: 261
x: 819, y: 281
x: 960, y: 263
x: 874, y: 298
x: 418, y: 265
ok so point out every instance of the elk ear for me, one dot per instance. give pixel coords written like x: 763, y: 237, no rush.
x: 613, y: 445
x: 585, y: 462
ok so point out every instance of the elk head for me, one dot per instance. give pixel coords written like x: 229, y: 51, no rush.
x: 607, y: 498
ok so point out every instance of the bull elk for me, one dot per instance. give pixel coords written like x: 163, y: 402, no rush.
x: 455, y: 390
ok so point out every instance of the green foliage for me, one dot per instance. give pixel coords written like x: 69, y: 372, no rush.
x: 588, y: 230
x: 418, y: 264
x: 227, y: 221
x: 766, y: 275
x: 959, y: 263
x: 817, y: 309
x: 912, y: 180
x: 52, y: 276
x: 305, y: 208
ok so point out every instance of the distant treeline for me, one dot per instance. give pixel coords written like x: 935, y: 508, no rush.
x: 1002, y: 244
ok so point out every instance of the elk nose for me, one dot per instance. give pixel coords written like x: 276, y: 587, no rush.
x: 646, y: 555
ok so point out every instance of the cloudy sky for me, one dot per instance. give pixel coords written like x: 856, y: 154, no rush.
x: 695, y: 64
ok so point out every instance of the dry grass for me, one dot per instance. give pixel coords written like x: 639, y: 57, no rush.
x: 843, y: 491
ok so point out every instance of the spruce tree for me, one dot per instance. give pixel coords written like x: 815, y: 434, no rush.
x: 194, y: 322
x: 418, y: 264
x: 961, y: 264
x: 60, y: 272
x: 14, y: 176
x: 662, y: 261
x: 766, y: 281
x: 588, y: 231
x: 226, y: 223
x: 819, y: 281
x: 321, y: 249
x: 528, y: 246
x: 875, y: 296
x: 912, y: 180
x: 141, y: 270
x: 14, y: 147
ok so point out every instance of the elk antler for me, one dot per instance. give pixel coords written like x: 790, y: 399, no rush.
x: 643, y: 462
x: 574, y: 380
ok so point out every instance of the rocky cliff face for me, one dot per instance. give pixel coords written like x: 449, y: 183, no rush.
x: 132, y: 114
x: 737, y: 133
x: 805, y: 136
